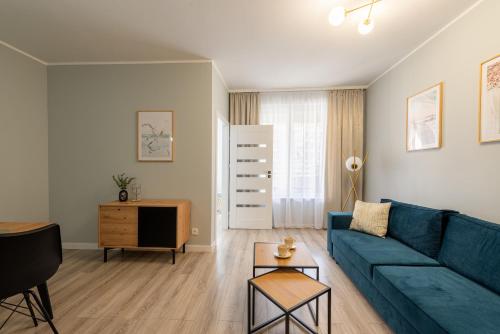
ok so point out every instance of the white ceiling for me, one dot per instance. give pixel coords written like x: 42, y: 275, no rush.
x: 257, y: 44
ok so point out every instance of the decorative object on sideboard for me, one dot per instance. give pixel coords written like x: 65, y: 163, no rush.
x: 424, y: 119
x: 136, y: 190
x: 155, y: 136
x: 489, y: 100
x: 353, y: 164
x: 338, y: 15
x: 122, y: 182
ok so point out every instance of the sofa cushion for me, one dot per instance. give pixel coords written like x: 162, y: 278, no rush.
x: 438, y: 300
x: 366, y: 251
x: 418, y: 227
x: 471, y: 247
x: 371, y: 218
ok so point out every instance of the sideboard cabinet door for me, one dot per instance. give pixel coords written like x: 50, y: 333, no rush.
x: 158, y: 227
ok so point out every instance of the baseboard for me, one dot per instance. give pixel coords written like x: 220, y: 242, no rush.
x: 92, y: 245
x: 200, y: 248
x: 79, y: 245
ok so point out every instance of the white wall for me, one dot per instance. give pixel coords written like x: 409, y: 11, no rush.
x: 462, y: 175
x: 24, y: 176
x: 92, y: 135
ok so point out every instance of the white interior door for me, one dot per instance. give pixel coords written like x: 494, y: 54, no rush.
x: 250, y: 183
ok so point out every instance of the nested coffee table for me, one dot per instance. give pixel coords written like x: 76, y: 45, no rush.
x: 263, y: 258
x: 289, y: 289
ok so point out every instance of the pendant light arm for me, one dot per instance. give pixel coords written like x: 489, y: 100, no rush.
x: 363, y: 6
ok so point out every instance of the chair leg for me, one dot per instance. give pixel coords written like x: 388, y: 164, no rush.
x: 30, y: 308
x: 43, y: 292
x: 44, y: 312
x: 11, y: 313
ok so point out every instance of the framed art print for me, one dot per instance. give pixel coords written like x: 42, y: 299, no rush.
x: 424, y: 119
x: 489, y: 101
x: 155, y: 136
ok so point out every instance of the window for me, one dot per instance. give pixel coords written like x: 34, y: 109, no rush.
x: 299, y: 127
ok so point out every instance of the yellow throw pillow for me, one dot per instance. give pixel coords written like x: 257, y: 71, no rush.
x: 371, y: 218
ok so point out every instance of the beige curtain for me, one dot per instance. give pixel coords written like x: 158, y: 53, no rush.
x: 344, y: 139
x: 244, y: 108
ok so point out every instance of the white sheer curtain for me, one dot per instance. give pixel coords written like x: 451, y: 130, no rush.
x: 299, y: 121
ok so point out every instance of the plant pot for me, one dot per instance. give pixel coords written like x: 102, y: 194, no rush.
x: 123, y: 195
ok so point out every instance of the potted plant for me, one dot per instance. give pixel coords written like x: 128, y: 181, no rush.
x: 122, y: 182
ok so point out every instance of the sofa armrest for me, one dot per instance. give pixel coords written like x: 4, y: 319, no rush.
x: 337, y: 221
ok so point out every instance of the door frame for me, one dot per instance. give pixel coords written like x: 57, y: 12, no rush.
x: 225, y: 167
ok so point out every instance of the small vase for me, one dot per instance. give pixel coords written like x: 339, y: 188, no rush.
x: 123, y: 195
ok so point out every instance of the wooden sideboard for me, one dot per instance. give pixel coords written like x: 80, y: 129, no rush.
x: 156, y: 225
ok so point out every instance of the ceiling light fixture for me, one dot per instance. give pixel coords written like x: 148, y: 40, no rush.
x: 338, y: 14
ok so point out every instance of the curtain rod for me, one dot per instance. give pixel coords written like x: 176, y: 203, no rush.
x: 278, y: 90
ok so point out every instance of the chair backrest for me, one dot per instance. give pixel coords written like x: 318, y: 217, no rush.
x: 28, y: 259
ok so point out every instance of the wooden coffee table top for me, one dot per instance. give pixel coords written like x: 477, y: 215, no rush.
x: 264, y: 256
x: 288, y: 287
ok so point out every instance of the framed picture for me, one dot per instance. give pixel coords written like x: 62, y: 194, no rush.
x: 489, y: 101
x: 424, y: 119
x: 155, y: 136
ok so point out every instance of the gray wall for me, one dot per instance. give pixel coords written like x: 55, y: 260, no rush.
x: 92, y: 135
x: 462, y: 175
x: 24, y: 182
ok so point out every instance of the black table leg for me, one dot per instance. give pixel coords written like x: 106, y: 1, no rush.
x: 173, y: 256
x: 253, y: 301
x: 329, y: 311
x: 317, y: 299
x: 287, y: 323
x: 43, y: 291
x: 249, y: 310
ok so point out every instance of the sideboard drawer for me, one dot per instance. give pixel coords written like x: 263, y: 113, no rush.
x: 118, y: 227
x: 115, y: 214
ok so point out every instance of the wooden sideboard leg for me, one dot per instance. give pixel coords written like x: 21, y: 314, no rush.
x: 105, y: 255
x: 173, y: 256
x: 123, y: 251
x: 184, y: 248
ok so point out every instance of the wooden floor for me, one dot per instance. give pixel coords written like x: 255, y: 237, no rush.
x: 203, y: 293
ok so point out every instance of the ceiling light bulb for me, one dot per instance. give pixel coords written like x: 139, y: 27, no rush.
x: 366, y: 26
x: 337, y: 16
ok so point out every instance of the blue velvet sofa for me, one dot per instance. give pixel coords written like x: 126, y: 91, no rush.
x: 437, y: 271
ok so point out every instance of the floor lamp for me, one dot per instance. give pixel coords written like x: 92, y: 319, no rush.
x: 353, y: 165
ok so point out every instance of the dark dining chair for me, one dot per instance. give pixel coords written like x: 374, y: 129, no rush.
x: 28, y: 260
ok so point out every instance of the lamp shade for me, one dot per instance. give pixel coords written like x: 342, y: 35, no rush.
x: 353, y: 164
x: 337, y: 16
x: 366, y: 26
